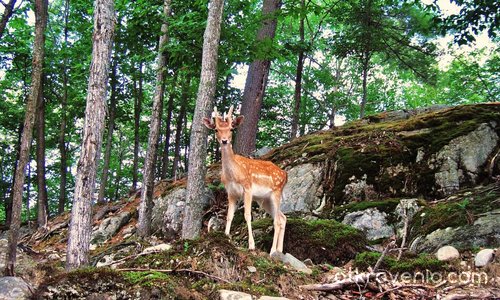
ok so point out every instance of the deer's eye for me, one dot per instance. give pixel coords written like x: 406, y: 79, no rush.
x: 216, y: 130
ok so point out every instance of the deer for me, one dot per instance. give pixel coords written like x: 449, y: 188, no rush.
x: 251, y: 179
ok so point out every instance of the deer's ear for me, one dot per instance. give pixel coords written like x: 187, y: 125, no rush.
x: 237, y: 122
x: 208, y: 123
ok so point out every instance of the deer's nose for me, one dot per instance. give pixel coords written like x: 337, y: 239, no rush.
x: 224, y: 141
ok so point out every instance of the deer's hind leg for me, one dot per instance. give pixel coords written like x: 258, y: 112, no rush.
x: 272, y: 207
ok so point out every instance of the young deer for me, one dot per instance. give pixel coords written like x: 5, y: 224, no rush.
x: 249, y: 178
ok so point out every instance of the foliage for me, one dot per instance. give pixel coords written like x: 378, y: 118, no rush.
x: 420, y: 263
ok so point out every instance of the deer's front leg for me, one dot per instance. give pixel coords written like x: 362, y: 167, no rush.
x: 231, y: 207
x: 248, y: 217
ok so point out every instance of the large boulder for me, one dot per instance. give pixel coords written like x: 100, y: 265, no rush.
x: 484, y: 232
x: 169, y: 210
x: 14, y: 288
x: 110, y: 226
x: 372, y: 222
x: 461, y: 160
x: 302, y: 192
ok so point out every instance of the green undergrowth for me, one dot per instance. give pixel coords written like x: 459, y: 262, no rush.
x: 419, y: 263
x: 458, y: 211
x: 322, y: 241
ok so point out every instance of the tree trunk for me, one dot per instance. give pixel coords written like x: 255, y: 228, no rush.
x: 62, y: 131
x: 170, y: 108
x: 95, y: 114
x: 119, y: 171
x: 178, y: 129
x: 36, y: 88
x: 146, y: 205
x: 7, y: 13
x: 111, y: 128
x: 196, y: 198
x: 298, y: 77
x: 366, y: 61
x: 255, y: 84
x: 8, y: 200
x: 137, y: 123
x: 40, y: 162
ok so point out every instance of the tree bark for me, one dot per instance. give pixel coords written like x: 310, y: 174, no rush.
x: 95, y: 114
x: 111, y: 128
x: 366, y: 61
x: 118, y: 177
x: 137, y: 123
x: 196, y: 198
x: 7, y: 13
x: 298, y: 77
x: 256, y: 82
x: 8, y: 200
x: 40, y: 162
x: 146, y: 205
x: 166, y: 148
x: 178, y: 129
x: 36, y: 88
x: 62, y: 131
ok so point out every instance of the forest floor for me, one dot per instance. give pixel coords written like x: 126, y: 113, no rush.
x: 199, y: 269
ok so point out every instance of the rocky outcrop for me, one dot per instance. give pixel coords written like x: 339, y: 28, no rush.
x: 14, y: 288
x: 483, y: 232
x: 110, y: 226
x: 461, y: 160
x: 303, y: 191
x: 372, y: 222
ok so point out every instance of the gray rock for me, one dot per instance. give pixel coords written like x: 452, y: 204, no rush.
x: 262, y: 151
x: 252, y: 269
x: 110, y: 226
x: 302, y: 192
x: 447, y: 253
x: 460, y: 160
x: 484, y: 257
x: 371, y: 221
x: 291, y: 260
x: 272, y: 298
x: 232, y: 295
x: 157, y: 248
x: 169, y: 210
x: 14, y: 288
x: 483, y: 233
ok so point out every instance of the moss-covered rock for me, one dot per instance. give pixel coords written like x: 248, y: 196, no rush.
x: 322, y: 241
x: 418, y: 263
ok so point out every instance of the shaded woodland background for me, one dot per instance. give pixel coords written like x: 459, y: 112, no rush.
x: 329, y: 61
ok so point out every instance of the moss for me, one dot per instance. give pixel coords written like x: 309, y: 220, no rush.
x: 421, y: 262
x: 147, y: 278
x: 323, y: 241
x: 388, y: 206
x: 457, y: 212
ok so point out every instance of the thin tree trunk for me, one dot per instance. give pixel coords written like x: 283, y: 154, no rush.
x: 95, y: 113
x: 28, y: 192
x: 8, y: 203
x: 146, y: 205
x: 118, y: 177
x: 298, y: 77
x: 178, y: 129
x: 137, y: 123
x: 7, y: 13
x: 36, y: 88
x: 170, y: 108
x: 196, y: 198
x: 255, y: 84
x: 111, y: 128
x: 62, y: 131
x: 366, y: 61
x: 40, y: 162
